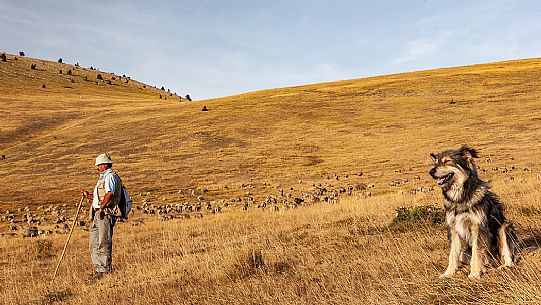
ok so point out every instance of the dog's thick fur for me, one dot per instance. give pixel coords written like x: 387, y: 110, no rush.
x: 477, y: 228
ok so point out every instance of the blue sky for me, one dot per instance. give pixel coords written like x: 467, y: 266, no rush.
x: 211, y: 48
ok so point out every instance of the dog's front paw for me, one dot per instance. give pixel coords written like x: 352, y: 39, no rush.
x: 505, y: 266
x: 447, y: 274
x: 474, y: 275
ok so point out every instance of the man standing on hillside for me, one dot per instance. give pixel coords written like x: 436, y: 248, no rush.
x: 103, y: 214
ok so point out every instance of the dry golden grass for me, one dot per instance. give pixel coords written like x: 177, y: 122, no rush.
x: 384, y: 127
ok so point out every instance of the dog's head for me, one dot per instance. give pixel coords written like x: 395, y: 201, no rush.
x: 453, y: 167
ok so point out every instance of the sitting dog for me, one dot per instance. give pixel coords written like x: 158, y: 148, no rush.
x: 476, y: 227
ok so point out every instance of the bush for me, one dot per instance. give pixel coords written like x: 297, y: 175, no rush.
x: 188, y: 97
x: 44, y: 249
x: 248, y: 262
x: 99, y: 77
x: 69, y: 72
x: 33, y: 66
x: 3, y: 57
x: 21, y: 53
x: 60, y: 60
x: 424, y: 213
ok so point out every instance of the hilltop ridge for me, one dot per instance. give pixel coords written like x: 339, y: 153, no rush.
x: 47, y: 77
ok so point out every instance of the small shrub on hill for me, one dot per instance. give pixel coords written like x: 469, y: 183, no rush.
x: 248, y: 262
x: 60, y: 60
x: 43, y: 249
x: 69, y: 72
x: 529, y: 211
x: 188, y: 97
x: 99, y: 77
x: 57, y: 296
x: 21, y: 53
x: 424, y: 213
x: 33, y: 66
x: 3, y: 57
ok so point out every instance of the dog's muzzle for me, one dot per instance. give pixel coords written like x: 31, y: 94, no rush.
x: 440, y: 180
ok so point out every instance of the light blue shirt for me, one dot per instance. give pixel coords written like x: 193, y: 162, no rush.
x: 111, y: 182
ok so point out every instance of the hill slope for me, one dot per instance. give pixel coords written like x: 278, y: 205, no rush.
x: 374, y: 134
x: 377, y: 126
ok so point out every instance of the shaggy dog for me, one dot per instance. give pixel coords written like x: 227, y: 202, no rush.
x: 476, y: 227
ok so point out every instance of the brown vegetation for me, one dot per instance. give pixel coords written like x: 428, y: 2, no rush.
x: 369, y: 137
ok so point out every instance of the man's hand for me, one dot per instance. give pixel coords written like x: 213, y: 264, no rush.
x: 85, y: 194
x: 100, y: 214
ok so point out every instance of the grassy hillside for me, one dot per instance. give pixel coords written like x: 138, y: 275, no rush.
x: 375, y: 132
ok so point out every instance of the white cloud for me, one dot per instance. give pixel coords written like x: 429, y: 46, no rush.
x: 417, y: 50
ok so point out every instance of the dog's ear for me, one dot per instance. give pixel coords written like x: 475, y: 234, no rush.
x: 434, y: 158
x: 468, y: 154
x: 468, y: 151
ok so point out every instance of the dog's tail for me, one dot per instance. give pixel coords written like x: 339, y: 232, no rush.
x: 510, y: 248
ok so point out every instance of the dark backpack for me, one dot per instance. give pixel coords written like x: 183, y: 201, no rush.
x: 125, y: 203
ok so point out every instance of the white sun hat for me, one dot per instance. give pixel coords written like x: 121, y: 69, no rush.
x: 103, y: 159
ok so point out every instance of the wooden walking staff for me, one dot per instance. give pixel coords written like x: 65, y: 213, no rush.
x: 69, y: 236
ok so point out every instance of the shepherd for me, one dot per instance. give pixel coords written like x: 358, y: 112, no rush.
x: 103, y: 215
